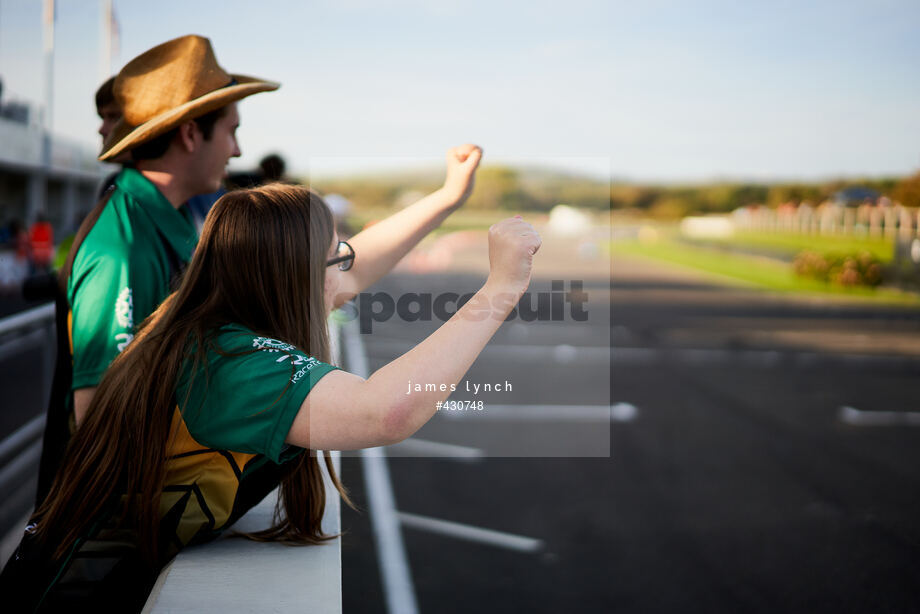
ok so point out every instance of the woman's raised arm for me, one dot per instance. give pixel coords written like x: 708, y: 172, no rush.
x: 344, y: 411
x: 382, y: 245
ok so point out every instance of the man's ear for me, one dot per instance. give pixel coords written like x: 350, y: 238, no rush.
x: 189, y: 136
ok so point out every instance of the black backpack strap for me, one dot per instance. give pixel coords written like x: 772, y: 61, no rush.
x: 57, y: 426
x: 57, y: 423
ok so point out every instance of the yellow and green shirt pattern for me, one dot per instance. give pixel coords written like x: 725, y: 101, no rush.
x: 232, y: 418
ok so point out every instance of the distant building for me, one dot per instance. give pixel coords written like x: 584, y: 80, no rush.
x: 60, y: 181
x: 855, y: 196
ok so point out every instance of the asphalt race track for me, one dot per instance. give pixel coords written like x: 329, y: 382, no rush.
x: 769, y: 462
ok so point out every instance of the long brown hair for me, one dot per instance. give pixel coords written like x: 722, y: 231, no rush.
x: 261, y: 263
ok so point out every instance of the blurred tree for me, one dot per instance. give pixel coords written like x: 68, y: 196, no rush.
x: 750, y: 194
x: 721, y: 197
x: 540, y: 189
x: 496, y: 186
x: 670, y: 208
x: 778, y: 194
x: 907, y: 192
x: 632, y: 196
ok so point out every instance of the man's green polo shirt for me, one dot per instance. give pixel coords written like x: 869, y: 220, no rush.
x: 122, y: 272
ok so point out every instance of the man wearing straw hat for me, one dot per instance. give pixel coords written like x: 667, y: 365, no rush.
x: 178, y: 124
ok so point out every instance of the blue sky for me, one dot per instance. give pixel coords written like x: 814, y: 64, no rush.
x: 645, y: 91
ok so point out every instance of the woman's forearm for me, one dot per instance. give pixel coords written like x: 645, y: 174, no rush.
x: 440, y: 360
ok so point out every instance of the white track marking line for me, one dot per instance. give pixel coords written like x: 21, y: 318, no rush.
x: 560, y: 353
x: 640, y: 356
x: 424, y: 447
x: 391, y: 551
x: 467, y: 532
x: 620, y: 412
x: 623, y: 412
x: 858, y: 417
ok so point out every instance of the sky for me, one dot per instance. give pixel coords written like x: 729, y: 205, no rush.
x: 642, y: 91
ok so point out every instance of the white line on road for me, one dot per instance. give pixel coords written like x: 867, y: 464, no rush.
x: 623, y: 412
x: 694, y: 356
x: 423, y: 447
x: 619, y: 412
x: 467, y: 532
x: 643, y: 356
x: 562, y: 353
x: 858, y: 417
x: 391, y: 551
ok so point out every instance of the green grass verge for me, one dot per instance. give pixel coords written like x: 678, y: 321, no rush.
x: 753, y: 271
x: 462, y: 219
x: 791, y: 244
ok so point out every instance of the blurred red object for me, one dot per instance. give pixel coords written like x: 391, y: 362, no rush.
x: 41, y: 238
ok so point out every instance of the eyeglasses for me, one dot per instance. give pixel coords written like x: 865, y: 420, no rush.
x: 344, y: 256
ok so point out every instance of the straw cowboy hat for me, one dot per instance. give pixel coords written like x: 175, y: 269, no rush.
x: 171, y: 84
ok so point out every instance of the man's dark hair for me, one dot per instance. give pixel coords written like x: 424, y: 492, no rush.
x: 105, y: 94
x: 157, y: 146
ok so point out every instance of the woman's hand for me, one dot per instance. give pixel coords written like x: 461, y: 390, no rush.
x: 381, y: 246
x: 462, y: 162
x: 512, y: 244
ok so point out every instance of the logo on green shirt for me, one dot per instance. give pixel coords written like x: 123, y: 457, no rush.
x: 124, y: 308
x: 124, y: 315
x: 271, y: 345
x: 291, y: 353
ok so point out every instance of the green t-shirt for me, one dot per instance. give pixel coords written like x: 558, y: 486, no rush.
x: 122, y: 272
x: 246, y: 397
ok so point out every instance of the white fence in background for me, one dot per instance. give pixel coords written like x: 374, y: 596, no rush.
x: 877, y: 221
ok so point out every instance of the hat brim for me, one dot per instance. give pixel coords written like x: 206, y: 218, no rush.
x: 125, y: 137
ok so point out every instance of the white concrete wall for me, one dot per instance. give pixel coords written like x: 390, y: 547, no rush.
x: 234, y: 574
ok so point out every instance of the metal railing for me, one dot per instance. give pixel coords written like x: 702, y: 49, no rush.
x: 20, y: 450
x: 29, y: 329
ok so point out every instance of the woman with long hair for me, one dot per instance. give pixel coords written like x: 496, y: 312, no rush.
x: 227, y: 393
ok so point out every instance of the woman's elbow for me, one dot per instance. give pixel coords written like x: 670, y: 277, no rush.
x: 397, y: 421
